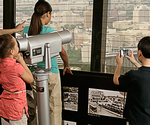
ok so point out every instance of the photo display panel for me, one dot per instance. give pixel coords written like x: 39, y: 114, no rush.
x: 106, y: 102
x: 68, y: 123
x: 70, y: 98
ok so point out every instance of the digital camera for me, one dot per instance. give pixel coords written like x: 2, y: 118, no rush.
x: 124, y: 52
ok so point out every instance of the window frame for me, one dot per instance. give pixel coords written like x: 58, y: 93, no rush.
x: 9, y: 14
x: 98, y: 29
x: 99, y: 35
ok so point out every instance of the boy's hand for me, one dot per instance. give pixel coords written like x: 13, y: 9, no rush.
x: 131, y: 57
x: 119, y: 59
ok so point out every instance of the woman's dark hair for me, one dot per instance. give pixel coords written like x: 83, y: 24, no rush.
x: 144, y: 46
x: 6, y: 44
x: 41, y: 7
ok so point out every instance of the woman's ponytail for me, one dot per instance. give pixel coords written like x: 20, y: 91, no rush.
x: 35, y: 25
x: 41, y: 7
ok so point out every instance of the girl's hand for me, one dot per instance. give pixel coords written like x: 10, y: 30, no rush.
x: 19, y: 57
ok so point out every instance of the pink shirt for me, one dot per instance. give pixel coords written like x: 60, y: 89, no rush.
x: 12, y: 105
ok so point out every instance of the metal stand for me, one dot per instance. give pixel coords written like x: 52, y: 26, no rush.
x: 34, y: 54
x: 41, y: 77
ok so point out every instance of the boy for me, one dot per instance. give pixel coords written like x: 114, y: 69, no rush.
x: 137, y: 84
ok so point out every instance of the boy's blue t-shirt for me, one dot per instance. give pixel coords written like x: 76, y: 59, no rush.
x: 46, y: 29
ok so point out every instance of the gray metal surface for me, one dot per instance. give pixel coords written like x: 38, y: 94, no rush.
x: 41, y: 78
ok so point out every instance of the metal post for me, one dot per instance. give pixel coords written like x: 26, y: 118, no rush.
x: 41, y: 77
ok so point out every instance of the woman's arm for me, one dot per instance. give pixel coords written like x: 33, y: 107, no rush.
x: 18, y: 28
x: 64, y: 57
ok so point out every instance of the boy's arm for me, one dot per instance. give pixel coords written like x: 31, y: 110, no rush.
x: 119, y: 61
x: 117, y: 75
x: 132, y: 60
x: 137, y: 64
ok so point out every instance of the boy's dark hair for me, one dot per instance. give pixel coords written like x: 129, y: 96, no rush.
x: 6, y: 44
x: 41, y: 7
x: 144, y: 46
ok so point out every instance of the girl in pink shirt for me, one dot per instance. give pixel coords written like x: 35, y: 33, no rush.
x: 13, y: 75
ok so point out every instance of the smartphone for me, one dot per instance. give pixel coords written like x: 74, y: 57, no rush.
x: 124, y: 52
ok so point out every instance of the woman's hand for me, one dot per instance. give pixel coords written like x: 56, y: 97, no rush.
x: 19, y: 27
x: 67, y: 70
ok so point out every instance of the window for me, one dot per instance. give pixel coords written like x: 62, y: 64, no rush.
x: 24, y: 11
x: 74, y: 15
x: 127, y: 22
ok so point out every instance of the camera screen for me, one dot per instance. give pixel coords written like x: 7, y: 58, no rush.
x: 125, y: 52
